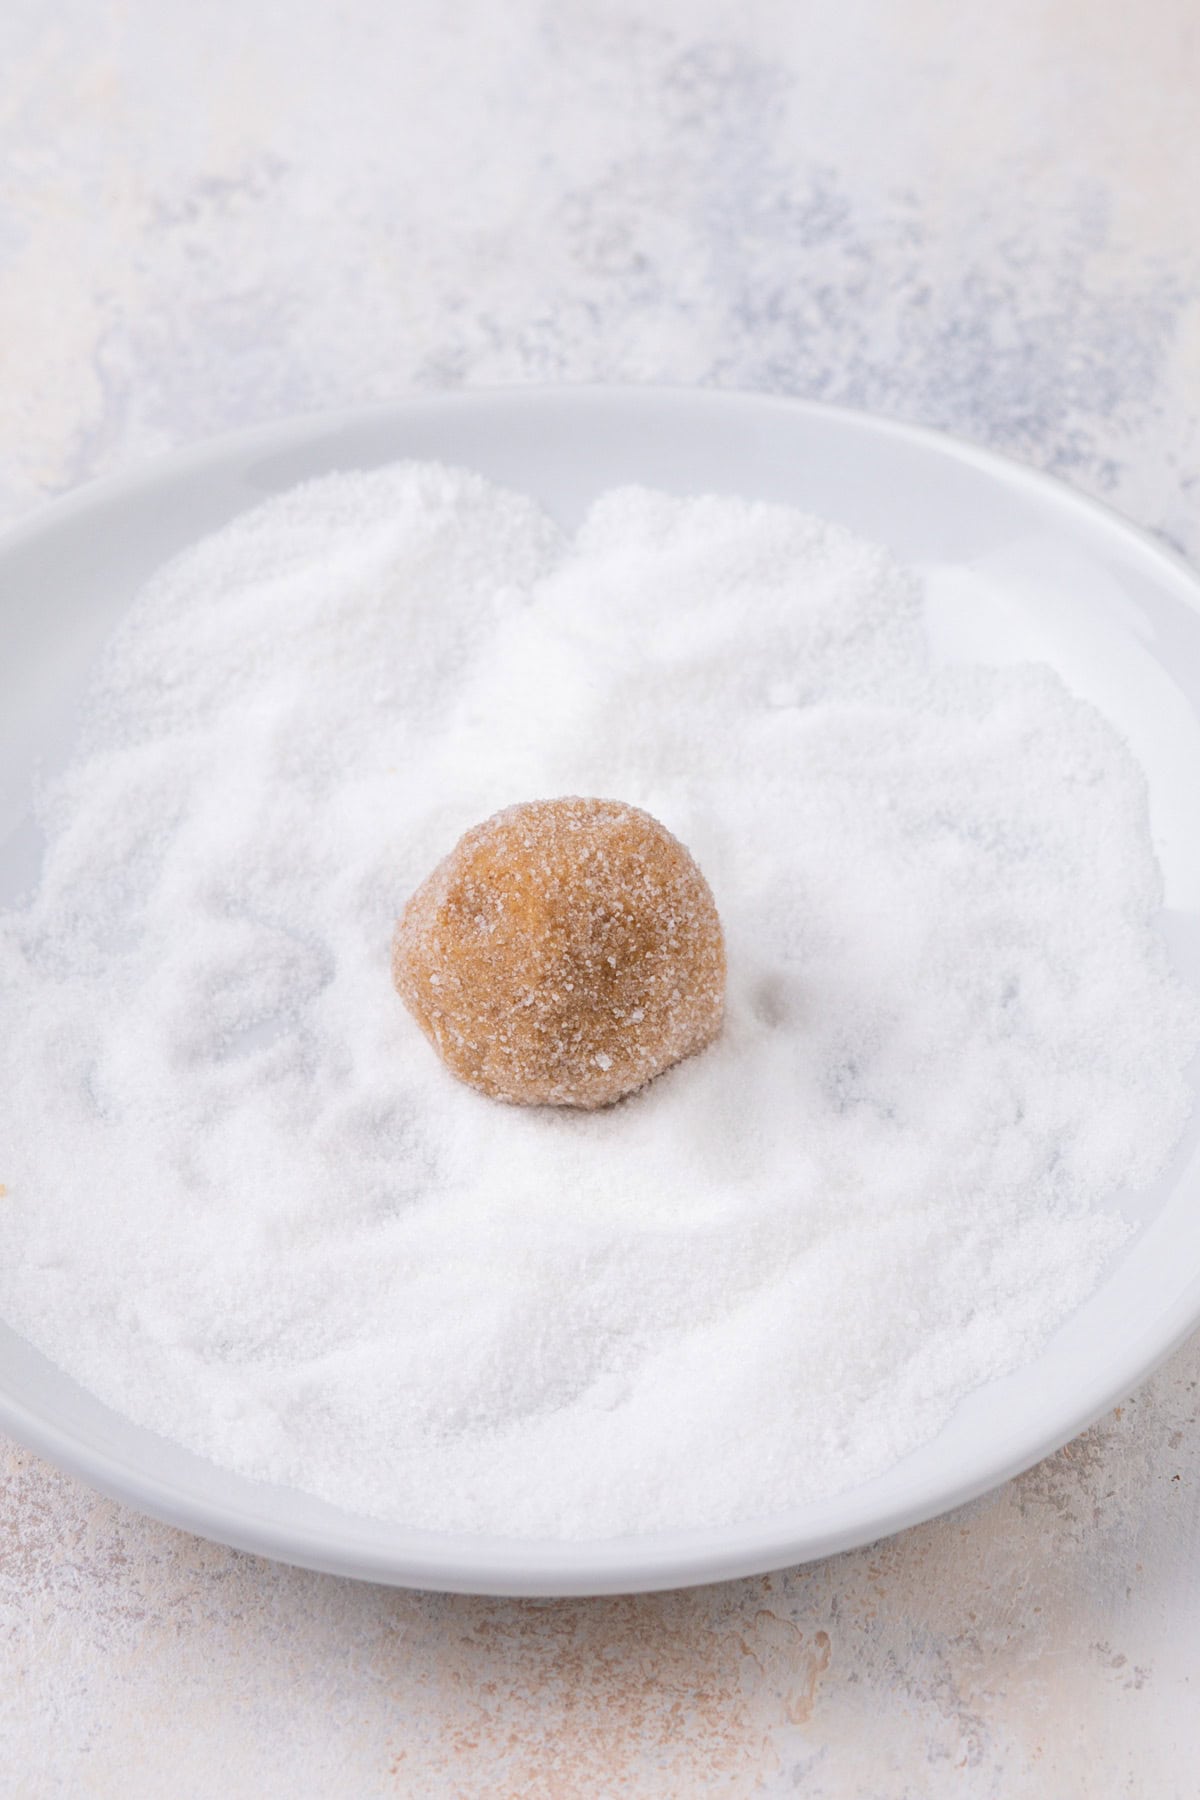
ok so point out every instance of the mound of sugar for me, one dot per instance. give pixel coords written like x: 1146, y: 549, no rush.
x: 248, y: 1207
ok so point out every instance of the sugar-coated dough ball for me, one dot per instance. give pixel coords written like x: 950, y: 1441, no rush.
x: 564, y: 953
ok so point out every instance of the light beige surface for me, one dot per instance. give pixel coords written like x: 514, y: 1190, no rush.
x: 1040, y: 1643
x: 976, y: 217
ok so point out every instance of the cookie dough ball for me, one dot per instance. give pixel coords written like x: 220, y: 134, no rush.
x: 564, y: 953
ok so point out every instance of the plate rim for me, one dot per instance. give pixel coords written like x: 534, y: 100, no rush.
x: 653, y: 1561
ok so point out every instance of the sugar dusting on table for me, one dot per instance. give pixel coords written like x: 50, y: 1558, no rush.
x: 247, y: 1206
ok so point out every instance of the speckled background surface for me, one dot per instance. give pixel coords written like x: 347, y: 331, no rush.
x: 980, y: 217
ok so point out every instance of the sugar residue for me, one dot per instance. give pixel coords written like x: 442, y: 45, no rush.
x: 249, y: 1208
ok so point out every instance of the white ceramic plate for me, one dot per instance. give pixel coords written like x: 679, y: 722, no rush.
x: 1016, y: 567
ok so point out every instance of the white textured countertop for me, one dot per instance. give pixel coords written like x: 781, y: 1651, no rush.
x: 977, y: 217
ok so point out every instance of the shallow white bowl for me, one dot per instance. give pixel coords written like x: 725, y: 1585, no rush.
x: 1016, y: 566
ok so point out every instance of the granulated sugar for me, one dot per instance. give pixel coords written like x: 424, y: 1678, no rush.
x: 249, y: 1208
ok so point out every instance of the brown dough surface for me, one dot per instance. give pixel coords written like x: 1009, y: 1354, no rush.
x: 564, y: 953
